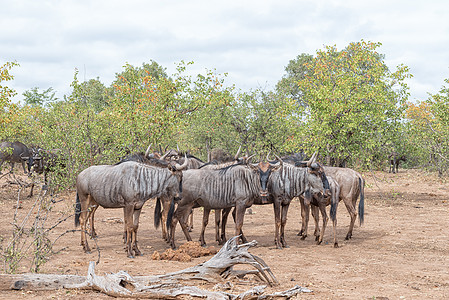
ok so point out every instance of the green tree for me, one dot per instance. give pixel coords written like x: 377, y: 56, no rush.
x: 207, y: 124
x: 8, y: 110
x: 266, y: 121
x: 296, y: 70
x: 94, y: 94
x: 35, y: 98
x: 355, y: 104
x: 429, y: 130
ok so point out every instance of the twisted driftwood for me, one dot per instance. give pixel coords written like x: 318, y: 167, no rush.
x: 167, y: 286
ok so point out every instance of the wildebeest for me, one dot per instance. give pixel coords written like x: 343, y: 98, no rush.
x: 319, y: 205
x: 352, y: 186
x: 127, y: 185
x: 306, y: 182
x: 149, y: 158
x: 15, y: 152
x: 394, y: 159
x: 237, y: 186
x: 219, y: 214
x: 44, y: 162
x: 160, y: 216
x: 218, y: 162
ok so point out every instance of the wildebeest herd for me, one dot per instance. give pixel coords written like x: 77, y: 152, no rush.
x: 180, y: 182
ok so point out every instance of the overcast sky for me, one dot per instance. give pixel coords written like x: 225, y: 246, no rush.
x: 252, y: 41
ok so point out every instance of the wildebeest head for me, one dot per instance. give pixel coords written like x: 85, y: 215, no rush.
x: 45, y: 160
x: 153, y: 154
x: 264, y: 169
x: 176, y: 169
x: 316, y: 169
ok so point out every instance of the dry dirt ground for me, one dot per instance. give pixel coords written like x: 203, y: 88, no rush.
x: 401, y: 252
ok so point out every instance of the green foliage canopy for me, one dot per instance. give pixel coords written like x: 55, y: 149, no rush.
x: 354, y: 102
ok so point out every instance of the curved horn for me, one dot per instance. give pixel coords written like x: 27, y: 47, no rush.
x: 312, y: 159
x: 268, y: 155
x: 237, y: 154
x: 184, y: 165
x: 249, y: 158
x: 165, y: 155
x: 148, y: 150
x: 177, y: 147
x: 281, y: 162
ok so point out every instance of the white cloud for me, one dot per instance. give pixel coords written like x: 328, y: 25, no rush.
x: 251, y: 40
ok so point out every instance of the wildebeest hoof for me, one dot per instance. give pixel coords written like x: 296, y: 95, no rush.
x: 336, y: 245
x: 303, y: 237
x: 318, y: 242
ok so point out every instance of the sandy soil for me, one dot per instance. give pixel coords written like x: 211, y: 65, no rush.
x: 401, y: 252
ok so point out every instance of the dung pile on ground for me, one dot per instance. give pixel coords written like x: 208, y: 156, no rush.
x: 185, y: 252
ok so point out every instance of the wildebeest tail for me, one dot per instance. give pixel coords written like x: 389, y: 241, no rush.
x: 362, y: 200
x: 157, y: 213
x: 77, y: 211
x: 170, y: 213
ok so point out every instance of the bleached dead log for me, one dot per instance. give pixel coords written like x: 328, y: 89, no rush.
x: 167, y: 286
x: 221, y: 265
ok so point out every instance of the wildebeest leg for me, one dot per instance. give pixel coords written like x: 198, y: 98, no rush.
x: 190, y: 223
x: 305, y: 219
x: 125, y: 230
x: 128, y: 211
x: 24, y: 168
x: 322, y: 208
x: 283, y: 223
x: 85, y: 202
x: 183, y: 221
x: 217, y: 225
x: 277, y: 223
x: 316, y: 218
x: 334, y: 225
x: 239, y: 216
x: 303, y: 216
x: 31, y: 189
x: 166, y: 207
x: 172, y: 228
x: 353, y: 214
x: 242, y: 236
x: 224, y: 221
x: 93, y: 233
x: 136, y: 216
x: 206, y: 213
x: 181, y: 214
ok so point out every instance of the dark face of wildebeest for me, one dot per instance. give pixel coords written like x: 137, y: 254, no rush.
x: 265, y: 169
x: 316, y: 169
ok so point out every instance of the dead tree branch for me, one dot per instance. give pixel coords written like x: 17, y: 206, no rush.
x: 167, y: 286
